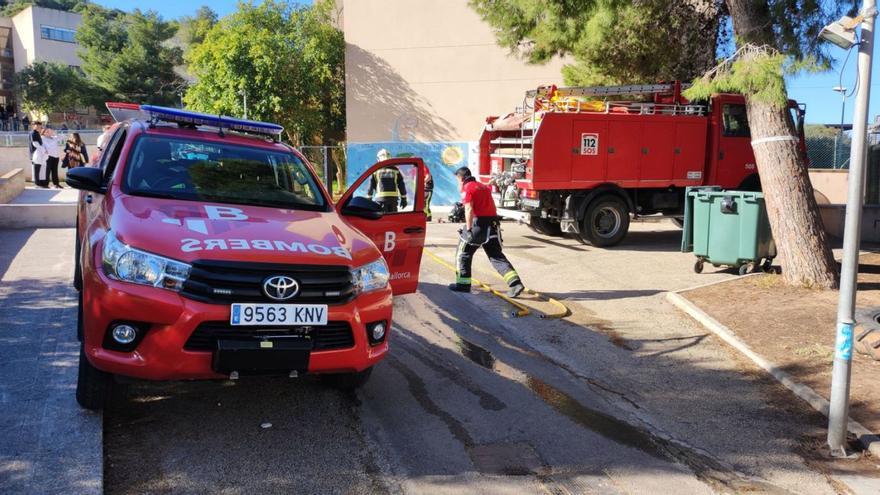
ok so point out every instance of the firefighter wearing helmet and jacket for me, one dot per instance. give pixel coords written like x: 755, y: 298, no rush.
x: 482, y: 229
x: 387, y: 186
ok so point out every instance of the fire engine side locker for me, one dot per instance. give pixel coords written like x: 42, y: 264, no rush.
x: 625, y: 149
x: 589, y: 160
x: 658, y: 150
x: 690, y: 152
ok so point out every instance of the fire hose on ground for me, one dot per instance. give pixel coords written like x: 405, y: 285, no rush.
x: 521, y: 309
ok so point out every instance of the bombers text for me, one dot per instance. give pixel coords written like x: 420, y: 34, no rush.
x: 189, y: 245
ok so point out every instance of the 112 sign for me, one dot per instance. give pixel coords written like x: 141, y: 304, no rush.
x: 589, y: 144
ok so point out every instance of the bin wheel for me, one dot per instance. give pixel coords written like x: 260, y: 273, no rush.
x: 746, y: 268
x: 698, y: 266
x: 767, y: 265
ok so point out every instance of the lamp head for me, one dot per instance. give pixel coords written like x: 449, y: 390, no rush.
x: 840, y: 33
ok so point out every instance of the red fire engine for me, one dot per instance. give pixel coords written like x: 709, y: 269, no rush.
x: 574, y: 160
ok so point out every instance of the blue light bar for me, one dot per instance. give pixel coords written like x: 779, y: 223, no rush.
x: 166, y: 114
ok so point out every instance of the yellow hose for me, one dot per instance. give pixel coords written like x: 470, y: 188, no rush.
x: 522, y: 310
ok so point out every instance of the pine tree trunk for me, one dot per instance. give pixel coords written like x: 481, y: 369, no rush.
x: 788, y: 193
x: 791, y: 206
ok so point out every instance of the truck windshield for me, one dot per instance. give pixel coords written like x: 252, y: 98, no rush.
x: 196, y: 170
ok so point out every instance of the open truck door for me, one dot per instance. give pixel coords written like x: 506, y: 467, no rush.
x: 399, y: 230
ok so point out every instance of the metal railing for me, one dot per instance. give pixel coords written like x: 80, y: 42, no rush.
x: 328, y: 162
x: 15, y: 139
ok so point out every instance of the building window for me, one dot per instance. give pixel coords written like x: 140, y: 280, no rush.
x: 57, y: 34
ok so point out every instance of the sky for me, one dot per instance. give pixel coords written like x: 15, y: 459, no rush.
x: 815, y: 90
x: 172, y: 9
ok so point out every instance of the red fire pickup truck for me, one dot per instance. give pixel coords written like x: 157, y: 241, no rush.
x: 207, y: 249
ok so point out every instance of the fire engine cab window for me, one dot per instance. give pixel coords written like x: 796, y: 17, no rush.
x: 209, y: 171
x: 391, y: 187
x: 736, y: 124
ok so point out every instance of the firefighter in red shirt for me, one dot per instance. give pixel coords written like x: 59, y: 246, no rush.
x: 482, y: 228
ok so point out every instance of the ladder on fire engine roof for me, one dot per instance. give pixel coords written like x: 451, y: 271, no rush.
x: 520, y: 148
x: 629, y: 89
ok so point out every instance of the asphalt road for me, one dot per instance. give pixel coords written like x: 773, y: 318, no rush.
x: 456, y: 409
x: 624, y: 396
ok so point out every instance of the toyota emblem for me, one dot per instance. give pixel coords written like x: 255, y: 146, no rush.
x: 280, y: 287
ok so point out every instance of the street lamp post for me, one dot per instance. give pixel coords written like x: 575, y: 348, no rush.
x: 839, y: 137
x: 838, y: 411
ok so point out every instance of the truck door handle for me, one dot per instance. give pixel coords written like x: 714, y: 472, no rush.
x: 644, y: 151
x: 721, y: 154
x: 610, y: 150
x: 677, y: 151
x: 413, y: 230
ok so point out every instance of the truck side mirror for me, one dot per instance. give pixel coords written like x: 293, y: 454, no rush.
x: 87, y: 179
x: 362, y: 207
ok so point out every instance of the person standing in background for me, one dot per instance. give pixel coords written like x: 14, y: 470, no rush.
x: 53, y: 152
x: 38, y: 156
x: 429, y: 192
x: 102, y: 139
x: 4, y: 119
x: 75, y: 154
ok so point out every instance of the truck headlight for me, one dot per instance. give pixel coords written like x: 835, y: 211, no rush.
x: 372, y: 276
x: 125, y: 263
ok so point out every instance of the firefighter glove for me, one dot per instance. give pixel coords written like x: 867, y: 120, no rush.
x: 403, y: 202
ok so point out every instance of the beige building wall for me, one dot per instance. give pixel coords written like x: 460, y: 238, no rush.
x: 428, y: 70
x: 28, y: 46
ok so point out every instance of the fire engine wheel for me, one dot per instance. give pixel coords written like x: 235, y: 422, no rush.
x: 606, y: 222
x: 544, y: 226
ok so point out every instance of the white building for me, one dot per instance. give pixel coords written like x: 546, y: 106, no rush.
x: 35, y: 34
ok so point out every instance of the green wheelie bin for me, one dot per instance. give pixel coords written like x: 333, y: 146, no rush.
x: 728, y: 228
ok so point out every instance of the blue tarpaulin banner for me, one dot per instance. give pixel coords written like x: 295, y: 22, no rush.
x: 442, y: 158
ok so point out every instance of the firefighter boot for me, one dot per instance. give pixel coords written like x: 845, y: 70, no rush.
x: 459, y: 288
x: 515, y: 290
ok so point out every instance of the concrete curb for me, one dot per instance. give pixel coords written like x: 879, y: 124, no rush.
x: 21, y: 216
x: 868, y: 439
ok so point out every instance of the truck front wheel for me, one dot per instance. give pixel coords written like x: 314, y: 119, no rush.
x: 93, y: 386
x: 606, y: 222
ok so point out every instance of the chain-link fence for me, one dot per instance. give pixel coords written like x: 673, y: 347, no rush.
x: 828, y: 152
x: 328, y: 162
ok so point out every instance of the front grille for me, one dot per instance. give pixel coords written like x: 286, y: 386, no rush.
x: 220, y: 282
x: 335, y: 335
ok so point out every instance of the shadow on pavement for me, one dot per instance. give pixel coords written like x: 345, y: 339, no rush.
x: 49, y: 445
x: 11, y: 243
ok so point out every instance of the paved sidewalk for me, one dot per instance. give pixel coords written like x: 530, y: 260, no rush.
x: 37, y: 195
x: 49, y: 444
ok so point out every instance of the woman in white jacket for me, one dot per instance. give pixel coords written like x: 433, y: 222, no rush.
x: 39, y: 160
x: 53, y: 150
